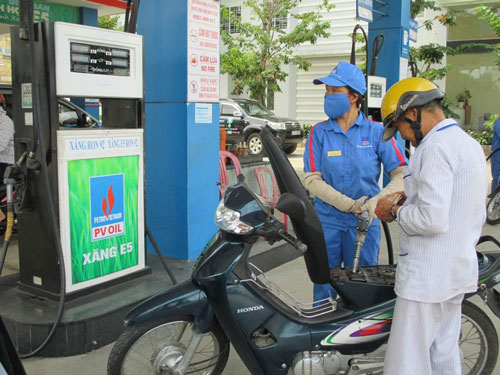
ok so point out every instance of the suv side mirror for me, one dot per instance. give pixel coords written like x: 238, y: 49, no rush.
x: 237, y: 114
x: 69, y: 119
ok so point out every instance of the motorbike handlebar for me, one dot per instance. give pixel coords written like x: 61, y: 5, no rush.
x: 275, y: 232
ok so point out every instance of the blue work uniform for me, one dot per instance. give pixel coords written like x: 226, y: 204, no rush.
x: 495, y: 159
x: 350, y: 163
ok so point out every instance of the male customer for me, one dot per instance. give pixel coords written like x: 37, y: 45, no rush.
x: 441, y: 221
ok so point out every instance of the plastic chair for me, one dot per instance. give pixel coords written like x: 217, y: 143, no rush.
x: 262, y: 174
x: 224, y: 180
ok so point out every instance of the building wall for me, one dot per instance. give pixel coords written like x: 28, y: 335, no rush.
x: 476, y: 70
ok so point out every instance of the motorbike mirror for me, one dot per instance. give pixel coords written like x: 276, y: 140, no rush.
x: 292, y: 205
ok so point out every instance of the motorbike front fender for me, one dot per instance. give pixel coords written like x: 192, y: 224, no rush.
x: 180, y: 300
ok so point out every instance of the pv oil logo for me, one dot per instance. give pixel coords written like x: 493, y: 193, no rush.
x: 107, y: 206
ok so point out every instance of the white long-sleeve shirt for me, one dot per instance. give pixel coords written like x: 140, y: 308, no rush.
x: 446, y: 186
x: 6, y: 139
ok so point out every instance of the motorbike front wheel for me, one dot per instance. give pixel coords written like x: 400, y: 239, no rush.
x: 493, y: 210
x: 158, y: 347
x: 478, y: 341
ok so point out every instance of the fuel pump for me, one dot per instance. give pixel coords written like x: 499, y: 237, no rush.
x: 376, y: 87
x: 94, y: 176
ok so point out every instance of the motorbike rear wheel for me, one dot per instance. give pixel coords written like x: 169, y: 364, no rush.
x: 493, y: 210
x: 157, y: 347
x: 478, y: 341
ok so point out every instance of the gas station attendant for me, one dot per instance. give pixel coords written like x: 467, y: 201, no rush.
x: 342, y: 165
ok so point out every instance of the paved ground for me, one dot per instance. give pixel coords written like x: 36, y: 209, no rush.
x: 291, y: 276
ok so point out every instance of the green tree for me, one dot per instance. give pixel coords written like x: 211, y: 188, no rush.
x: 256, y: 56
x: 490, y: 15
x: 428, y: 55
x: 109, y: 22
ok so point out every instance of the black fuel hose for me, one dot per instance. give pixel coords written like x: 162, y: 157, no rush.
x: 378, y: 43
x: 388, y: 240
x: 353, y: 57
x: 127, y: 13
x: 132, y: 23
x: 48, y: 190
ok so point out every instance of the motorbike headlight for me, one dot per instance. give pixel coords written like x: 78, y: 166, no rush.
x: 276, y: 125
x: 229, y: 220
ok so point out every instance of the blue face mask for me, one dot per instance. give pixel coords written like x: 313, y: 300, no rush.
x: 336, y: 105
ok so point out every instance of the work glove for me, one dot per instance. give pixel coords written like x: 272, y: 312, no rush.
x: 395, y: 185
x: 359, y: 204
x: 313, y: 181
x: 370, y: 207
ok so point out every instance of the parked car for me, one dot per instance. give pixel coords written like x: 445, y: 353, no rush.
x: 70, y: 115
x: 243, y: 118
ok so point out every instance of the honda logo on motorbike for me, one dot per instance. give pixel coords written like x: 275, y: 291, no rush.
x: 107, y: 211
x: 249, y: 309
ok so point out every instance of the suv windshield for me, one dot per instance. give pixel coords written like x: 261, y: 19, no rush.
x: 255, y: 109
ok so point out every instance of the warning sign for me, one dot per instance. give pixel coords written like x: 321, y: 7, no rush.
x: 203, y: 50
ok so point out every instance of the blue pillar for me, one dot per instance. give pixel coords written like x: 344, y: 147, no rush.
x: 181, y: 155
x: 88, y: 16
x: 393, y: 25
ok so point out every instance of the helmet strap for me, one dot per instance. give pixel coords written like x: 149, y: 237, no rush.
x: 416, y: 125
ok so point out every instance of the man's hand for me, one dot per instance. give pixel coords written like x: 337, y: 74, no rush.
x: 383, y: 209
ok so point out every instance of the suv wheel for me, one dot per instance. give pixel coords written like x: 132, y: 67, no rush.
x: 255, y: 146
x: 290, y: 148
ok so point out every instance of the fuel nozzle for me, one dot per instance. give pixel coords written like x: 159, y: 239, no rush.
x: 361, y: 230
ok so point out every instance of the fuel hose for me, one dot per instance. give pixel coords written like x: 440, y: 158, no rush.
x: 10, y: 224
x: 378, y: 43
x: 27, y: 13
x: 353, y: 57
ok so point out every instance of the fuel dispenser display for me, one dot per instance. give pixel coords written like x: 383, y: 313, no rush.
x: 376, y: 87
x: 95, y: 175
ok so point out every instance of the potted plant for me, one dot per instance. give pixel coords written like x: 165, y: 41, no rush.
x: 463, y: 97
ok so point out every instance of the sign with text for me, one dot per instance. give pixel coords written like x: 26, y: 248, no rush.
x: 364, y: 10
x: 101, y: 204
x: 107, y: 214
x: 413, y: 30
x: 203, y: 50
x: 43, y: 11
x: 405, y: 42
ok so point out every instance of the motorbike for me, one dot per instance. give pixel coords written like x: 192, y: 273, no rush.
x: 188, y: 328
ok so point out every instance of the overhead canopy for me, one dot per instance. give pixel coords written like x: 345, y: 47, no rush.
x: 104, y: 7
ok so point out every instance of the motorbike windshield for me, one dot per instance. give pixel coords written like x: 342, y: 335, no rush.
x: 308, y: 229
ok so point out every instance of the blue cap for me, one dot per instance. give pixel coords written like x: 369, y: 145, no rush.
x: 345, y: 74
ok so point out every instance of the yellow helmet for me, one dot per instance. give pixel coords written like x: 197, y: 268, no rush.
x: 405, y: 94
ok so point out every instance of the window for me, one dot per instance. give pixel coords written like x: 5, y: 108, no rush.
x: 227, y: 110
x: 228, y: 24
x: 280, y: 22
